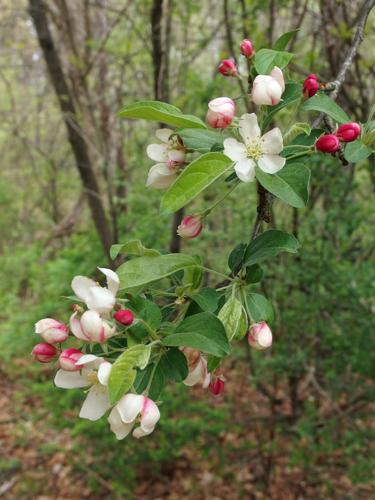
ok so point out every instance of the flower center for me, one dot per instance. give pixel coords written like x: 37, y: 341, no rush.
x: 255, y: 149
x: 92, y: 377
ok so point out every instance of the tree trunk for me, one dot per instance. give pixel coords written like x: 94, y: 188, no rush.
x: 38, y: 13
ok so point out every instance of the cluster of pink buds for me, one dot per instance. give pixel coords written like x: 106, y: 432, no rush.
x: 330, y: 143
x: 227, y: 67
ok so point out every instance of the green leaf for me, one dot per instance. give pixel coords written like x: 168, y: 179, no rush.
x: 292, y: 94
x: 236, y: 257
x: 174, y: 365
x: 192, y: 278
x: 196, y: 177
x: 266, y: 59
x: 269, y: 244
x: 295, y: 130
x: 212, y: 363
x: 123, y: 371
x: 201, y: 140
x: 282, y: 42
x: 254, y: 274
x: 290, y: 184
x: 160, y: 112
x: 202, y: 331
x: 144, y: 270
x: 230, y: 315
x: 356, y: 151
x: 132, y: 247
x: 321, y: 102
x: 146, y: 310
x: 259, y: 307
x: 157, y: 384
x: 207, y: 299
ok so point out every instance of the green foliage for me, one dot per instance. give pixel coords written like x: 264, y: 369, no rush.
x: 269, y: 244
x: 233, y: 318
x: 201, y: 140
x: 260, y: 308
x: 266, y: 59
x: 357, y: 151
x: 321, y: 102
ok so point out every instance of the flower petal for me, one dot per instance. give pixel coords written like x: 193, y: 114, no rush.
x: 150, y: 415
x: 81, y: 286
x: 277, y: 74
x: 75, y: 327
x: 104, y: 371
x: 160, y: 176
x: 245, y: 170
x: 271, y: 163
x: 92, y: 326
x: 163, y: 134
x: 70, y: 380
x: 46, y: 323
x: 100, y: 299
x: 96, y: 403
x: 90, y: 361
x: 113, y: 281
x: 272, y: 142
x: 157, y: 152
x: 176, y: 155
x: 130, y: 406
x: 139, y: 432
x: 249, y: 128
x: 196, y: 375
x: 117, y: 426
x: 234, y: 149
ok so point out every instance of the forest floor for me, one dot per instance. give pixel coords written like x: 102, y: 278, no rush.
x: 38, y: 461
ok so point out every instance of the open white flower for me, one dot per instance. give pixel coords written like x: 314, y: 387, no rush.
x: 170, y: 155
x: 255, y: 150
x: 96, y: 297
x: 95, y: 373
x: 124, y: 415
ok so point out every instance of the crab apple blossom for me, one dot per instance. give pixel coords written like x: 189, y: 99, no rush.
x: 68, y: 359
x: 268, y: 89
x: 91, y: 327
x: 52, y: 331
x: 260, y: 336
x: 246, y: 48
x: 328, y: 143
x: 220, y: 112
x: 170, y: 155
x: 44, y: 353
x: 256, y: 150
x: 94, y: 374
x: 216, y: 386
x: 227, y: 67
x: 96, y: 297
x: 190, y: 227
x: 126, y: 412
x: 310, y: 85
x: 124, y: 316
x: 197, y: 365
x: 348, y: 132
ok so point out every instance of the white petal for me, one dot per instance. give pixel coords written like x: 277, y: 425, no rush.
x: 75, y: 327
x: 118, y: 427
x: 249, y: 128
x: 90, y: 360
x: 277, y: 74
x: 245, y: 170
x: 272, y: 142
x: 177, y: 155
x: 150, y: 415
x: 139, y: 432
x: 81, y: 286
x: 234, y: 149
x: 196, y: 375
x: 130, y: 406
x: 92, y: 326
x: 96, y: 403
x: 157, y: 152
x: 70, y: 380
x: 104, y: 372
x: 207, y: 376
x: 160, y: 176
x: 163, y: 134
x: 271, y: 163
x: 45, y: 324
x: 259, y: 93
x: 113, y: 281
x: 100, y: 299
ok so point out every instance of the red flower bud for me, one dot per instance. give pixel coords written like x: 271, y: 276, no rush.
x: 310, y: 86
x: 348, y: 132
x: 227, y: 67
x: 246, y: 48
x: 68, y: 359
x: 44, y: 353
x: 190, y: 226
x: 124, y: 316
x: 217, y: 386
x: 328, y: 143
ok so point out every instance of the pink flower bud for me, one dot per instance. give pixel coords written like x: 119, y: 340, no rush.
x: 310, y: 85
x: 348, y: 132
x: 220, y: 112
x: 124, y: 316
x: 328, y: 143
x: 227, y: 67
x: 217, y: 386
x: 260, y: 336
x: 190, y: 226
x: 44, y: 353
x: 246, y: 48
x: 52, y: 331
x: 68, y: 359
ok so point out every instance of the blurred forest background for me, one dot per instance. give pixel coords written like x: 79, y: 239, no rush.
x: 293, y: 423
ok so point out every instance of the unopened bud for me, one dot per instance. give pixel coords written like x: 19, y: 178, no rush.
x: 260, y: 336
x: 124, y: 316
x: 328, y: 143
x: 190, y: 226
x: 220, y: 112
x: 44, y: 353
x: 68, y: 359
x: 348, y: 132
x: 227, y: 67
x: 246, y: 48
x: 217, y: 386
x: 310, y: 85
x: 52, y: 331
